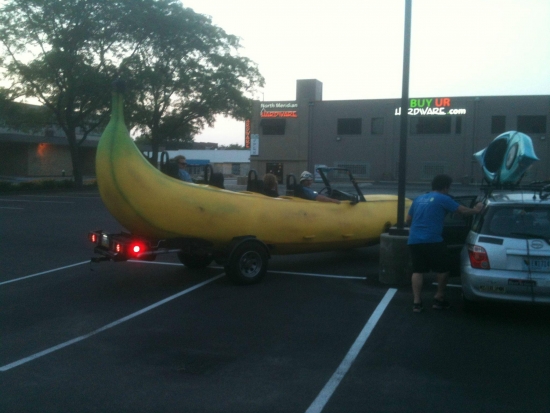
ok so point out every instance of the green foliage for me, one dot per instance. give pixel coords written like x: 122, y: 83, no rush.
x: 233, y: 146
x: 184, y: 73
x: 181, y: 70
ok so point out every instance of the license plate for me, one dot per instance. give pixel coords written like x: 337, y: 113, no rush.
x: 536, y: 264
x: 522, y: 283
x: 105, y: 241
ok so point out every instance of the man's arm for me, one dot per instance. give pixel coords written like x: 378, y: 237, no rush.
x: 323, y: 198
x: 470, y: 211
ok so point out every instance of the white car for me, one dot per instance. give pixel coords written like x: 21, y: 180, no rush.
x: 506, y: 256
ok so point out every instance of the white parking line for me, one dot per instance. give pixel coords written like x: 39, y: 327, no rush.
x: 10, y: 208
x: 323, y: 397
x: 36, y: 202
x: 106, y: 327
x: 43, y: 272
x: 451, y: 285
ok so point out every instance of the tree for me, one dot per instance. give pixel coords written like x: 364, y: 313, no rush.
x: 184, y: 73
x: 22, y: 117
x: 181, y: 69
x: 65, y: 55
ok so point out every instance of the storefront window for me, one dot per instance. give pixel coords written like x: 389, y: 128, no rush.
x: 349, y: 126
x: 273, y: 126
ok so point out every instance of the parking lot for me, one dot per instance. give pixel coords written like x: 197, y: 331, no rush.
x: 320, y: 333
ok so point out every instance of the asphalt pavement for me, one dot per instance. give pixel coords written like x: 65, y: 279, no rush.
x: 320, y: 333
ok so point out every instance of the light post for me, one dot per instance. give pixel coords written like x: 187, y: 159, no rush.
x: 394, y: 265
x: 402, y: 176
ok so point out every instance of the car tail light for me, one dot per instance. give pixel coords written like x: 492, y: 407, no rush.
x: 92, y: 236
x: 478, y: 257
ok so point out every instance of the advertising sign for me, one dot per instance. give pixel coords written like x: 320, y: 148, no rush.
x: 431, y: 106
x: 247, y: 134
x: 278, y: 110
x: 254, y: 144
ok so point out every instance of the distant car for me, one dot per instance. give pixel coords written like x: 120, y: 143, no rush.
x: 506, y: 256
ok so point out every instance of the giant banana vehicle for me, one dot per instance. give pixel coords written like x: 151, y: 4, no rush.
x: 202, y: 223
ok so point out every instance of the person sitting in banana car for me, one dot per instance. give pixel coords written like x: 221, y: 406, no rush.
x: 182, y: 164
x: 271, y: 186
x: 306, y: 179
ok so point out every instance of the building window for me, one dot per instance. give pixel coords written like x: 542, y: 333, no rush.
x: 430, y: 125
x: 273, y: 126
x: 498, y: 124
x: 377, y: 126
x: 349, y: 126
x: 532, y: 124
x: 358, y: 169
x: 458, y: 125
x: 235, y: 169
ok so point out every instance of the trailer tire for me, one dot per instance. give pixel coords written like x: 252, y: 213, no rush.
x: 195, y: 261
x: 247, y: 263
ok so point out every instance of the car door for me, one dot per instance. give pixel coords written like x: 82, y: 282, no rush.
x: 455, y: 230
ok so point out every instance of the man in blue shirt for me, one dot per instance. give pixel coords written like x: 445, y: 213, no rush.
x: 182, y: 164
x: 306, y: 179
x: 428, y: 251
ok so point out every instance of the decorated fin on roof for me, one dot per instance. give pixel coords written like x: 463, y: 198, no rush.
x: 507, y: 158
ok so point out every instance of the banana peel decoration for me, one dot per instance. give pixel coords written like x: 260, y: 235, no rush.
x: 151, y: 204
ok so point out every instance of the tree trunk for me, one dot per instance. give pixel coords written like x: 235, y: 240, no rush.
x: 75, y: 159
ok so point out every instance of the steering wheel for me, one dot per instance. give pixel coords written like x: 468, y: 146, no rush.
x: 544, y: 192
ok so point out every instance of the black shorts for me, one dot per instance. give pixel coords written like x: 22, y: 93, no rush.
x: 429, y: 257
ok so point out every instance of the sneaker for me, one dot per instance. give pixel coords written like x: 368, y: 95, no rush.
x: 417, y: 307
x: 441, y: 304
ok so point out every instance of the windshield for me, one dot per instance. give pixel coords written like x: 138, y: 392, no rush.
x: 515, y: 221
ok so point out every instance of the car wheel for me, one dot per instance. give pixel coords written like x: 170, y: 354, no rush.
x: 248, y: 263
x: 195, y: 261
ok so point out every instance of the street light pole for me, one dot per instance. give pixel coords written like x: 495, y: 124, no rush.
x: 404, y: 123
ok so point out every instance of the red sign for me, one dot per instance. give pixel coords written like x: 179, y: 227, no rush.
x: 279, y: 114
x: 247, y: 134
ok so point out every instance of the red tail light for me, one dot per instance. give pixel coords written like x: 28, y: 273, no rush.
x: 478, y: 257
x: 118, y: 247
x: 136, y: 248
x: 93, y: 237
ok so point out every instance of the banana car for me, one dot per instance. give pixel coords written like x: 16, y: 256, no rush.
x: 203, y: 223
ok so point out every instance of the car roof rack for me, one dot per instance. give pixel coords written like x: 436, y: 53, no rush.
x: 540, y: 187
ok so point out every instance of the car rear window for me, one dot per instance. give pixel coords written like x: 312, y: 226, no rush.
x: 517, y: 221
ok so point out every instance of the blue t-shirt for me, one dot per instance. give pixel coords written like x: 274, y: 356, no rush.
x: 309, y: 193
x: 428, y: 213
x: 184, y: 175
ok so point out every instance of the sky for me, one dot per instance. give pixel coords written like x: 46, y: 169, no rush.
x: 355, y: 48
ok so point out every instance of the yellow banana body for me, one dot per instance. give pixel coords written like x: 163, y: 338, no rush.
x: 149, y: 203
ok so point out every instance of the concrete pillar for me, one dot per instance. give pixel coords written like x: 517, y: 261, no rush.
x: 395, y: 266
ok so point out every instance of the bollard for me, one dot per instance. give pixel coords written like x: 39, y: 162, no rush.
x: 395, y: 266
x: 63, y: 172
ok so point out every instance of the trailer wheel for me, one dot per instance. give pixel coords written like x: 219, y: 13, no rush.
x: 247, y: 263
x: 195, y: 261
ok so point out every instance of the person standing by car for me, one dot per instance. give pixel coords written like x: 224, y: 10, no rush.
x: 306, y: 179
x: 182, y: 164
x: 426, y: 245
